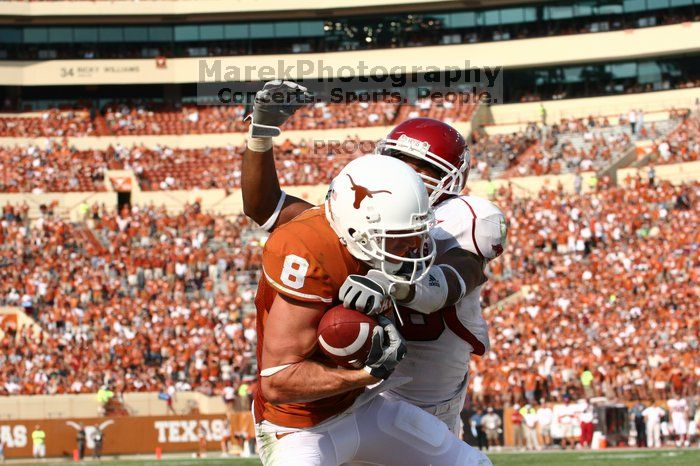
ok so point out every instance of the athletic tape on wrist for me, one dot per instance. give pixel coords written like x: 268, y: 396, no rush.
x: 259, y: 144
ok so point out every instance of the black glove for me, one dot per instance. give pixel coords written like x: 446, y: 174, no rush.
x: 387, y: 350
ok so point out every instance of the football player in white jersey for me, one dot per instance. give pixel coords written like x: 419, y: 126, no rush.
x: 440, y: 317
x: 442, y: 333
x: 679, y: 419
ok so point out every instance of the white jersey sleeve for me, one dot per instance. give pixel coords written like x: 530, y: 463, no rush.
x: 470, y: 223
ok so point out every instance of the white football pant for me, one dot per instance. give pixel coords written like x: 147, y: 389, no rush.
x: 448, y: 412
x: 382, y: 431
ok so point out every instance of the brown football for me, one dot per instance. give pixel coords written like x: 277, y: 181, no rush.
x: 345, y: 336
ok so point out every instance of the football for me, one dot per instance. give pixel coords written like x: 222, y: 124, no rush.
x: 345, y: 336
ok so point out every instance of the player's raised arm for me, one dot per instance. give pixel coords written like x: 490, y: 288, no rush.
x: 263, y: 199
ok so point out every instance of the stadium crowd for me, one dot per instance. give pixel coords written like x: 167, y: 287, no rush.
x: 51, y: 123
x: 141, y: 299
x: 610, y: 286
x: 582, y: 144
x: 132, y: 301
x: 142, y: 118
x: 57, y: 167
x: 680, y: 145
x: 53, y: 167
x: 137, y: 118
x: 570, y: 145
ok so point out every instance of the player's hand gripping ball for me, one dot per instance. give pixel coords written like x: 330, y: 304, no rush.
x: 345, y: 336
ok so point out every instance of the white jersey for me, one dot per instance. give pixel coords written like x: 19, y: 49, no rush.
x: 653, y: 414
x: 440, y: 344
x: 678, y: 408
x: 679, y: 415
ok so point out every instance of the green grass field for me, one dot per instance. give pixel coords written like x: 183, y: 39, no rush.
x: 572, y: 458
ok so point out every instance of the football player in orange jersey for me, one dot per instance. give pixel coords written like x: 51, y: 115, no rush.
x: 443, y: 323
x: 308, y: 411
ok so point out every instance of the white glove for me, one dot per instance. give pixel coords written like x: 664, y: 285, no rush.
x: 274, y: 104
x: 369, y: 293
x: 387, y: 350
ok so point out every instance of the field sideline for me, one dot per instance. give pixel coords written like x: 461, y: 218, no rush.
x: 668, y: 457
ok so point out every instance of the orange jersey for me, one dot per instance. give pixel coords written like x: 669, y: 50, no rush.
x: 303, y: 260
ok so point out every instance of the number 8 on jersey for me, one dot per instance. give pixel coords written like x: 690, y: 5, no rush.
x: 294, y: 271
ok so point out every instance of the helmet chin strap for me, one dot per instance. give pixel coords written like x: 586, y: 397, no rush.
x: 396, y: 309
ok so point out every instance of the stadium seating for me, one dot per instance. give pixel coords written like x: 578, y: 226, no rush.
x: 572, y: 145
x: 53, y: 123
x: 681, y: 145
x: 134, y: 301
x: 151, y: 118
x: 53, y: 168
x: 350, y: 115
x: 140, y: 119
x: 568, y: 146
x: 610, y: 288
x: 142, y: 298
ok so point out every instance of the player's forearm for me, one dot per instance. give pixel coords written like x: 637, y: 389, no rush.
x: 259, y: 185
x: 465, y: 266
x: 309, y: 381
x: 457, y: 274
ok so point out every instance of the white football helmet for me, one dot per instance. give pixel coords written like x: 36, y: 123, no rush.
x: 379, y: 208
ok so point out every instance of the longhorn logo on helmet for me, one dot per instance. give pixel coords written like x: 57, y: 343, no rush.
x: 361, y: 192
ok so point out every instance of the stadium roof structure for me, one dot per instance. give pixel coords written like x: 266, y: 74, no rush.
x: 107, y: 11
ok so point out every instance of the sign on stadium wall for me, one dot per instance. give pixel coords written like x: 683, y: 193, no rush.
x: 122, y: 435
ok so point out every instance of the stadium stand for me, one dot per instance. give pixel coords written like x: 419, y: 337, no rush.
x: 681, y: 145
x: 128, y: 300
x: 152, y: 118
x: 52, y: 122
x: 146, y: 118
x: 609, y: 280
x: 55, y: 168
x: 148, y: 284
x: 570, y: 145
x: 343, y: 33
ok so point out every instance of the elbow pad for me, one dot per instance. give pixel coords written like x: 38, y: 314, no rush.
x: 431, y: 292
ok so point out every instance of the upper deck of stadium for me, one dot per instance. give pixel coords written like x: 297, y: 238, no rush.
x: 45, y: 11
x: 124, y: 29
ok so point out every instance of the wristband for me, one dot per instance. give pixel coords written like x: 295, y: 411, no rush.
x: 430, y: 294
x: 259, y: 144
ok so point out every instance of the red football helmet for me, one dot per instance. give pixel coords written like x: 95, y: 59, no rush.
x: 437, y: 143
